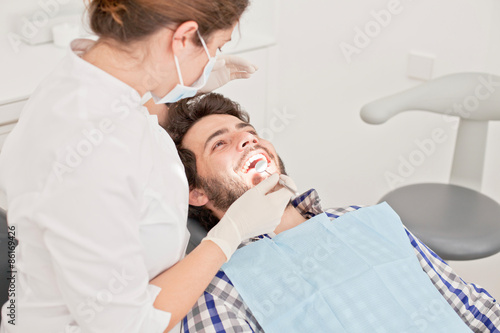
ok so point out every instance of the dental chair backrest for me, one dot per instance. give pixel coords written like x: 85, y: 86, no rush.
x: 197, y: 233
x: 473, y: 97
x: 4, y: 258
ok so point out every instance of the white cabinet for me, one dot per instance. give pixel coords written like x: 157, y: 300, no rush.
x: 9, y: 114
x: 4, y: 131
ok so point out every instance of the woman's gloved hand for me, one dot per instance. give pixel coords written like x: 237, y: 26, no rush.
x: 227, y: 68
x: 287, y: 181
x: 254, y: 213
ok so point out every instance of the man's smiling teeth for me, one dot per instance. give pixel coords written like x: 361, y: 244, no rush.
x: 251, y: 160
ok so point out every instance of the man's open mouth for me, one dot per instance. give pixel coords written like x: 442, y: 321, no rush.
x: 252, y: 161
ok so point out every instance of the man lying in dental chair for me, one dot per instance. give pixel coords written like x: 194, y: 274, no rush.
x: 347, y: 269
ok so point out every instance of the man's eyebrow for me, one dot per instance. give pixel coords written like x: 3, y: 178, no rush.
x: 243, y: 125
x: 225, y: 130
x: 215, y: 134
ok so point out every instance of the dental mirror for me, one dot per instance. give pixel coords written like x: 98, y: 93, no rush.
x: 261, y: 167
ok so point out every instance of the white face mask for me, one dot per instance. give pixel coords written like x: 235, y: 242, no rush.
x: 181, y: 91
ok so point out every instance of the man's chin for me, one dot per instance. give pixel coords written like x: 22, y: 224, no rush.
x: 257, y: 178
x: 254, y: 178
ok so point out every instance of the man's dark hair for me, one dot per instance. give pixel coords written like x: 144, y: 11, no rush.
x: 181, y: 117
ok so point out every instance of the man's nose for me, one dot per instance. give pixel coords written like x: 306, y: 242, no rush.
x: 246, y: 140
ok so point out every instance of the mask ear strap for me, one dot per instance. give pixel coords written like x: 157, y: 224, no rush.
x: 178, y: 70
x: 203, y: 43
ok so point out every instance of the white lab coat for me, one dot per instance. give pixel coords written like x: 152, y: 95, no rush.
x: 98, y: 198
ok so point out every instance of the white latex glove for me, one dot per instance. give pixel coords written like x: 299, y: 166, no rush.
x: 227, y: 68
x: 253, y: 214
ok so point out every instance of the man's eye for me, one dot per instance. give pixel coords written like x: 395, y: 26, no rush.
x: 218, y: 144
x: 253, y: 133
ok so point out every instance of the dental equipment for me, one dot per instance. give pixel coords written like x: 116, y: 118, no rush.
x: 261, y: 167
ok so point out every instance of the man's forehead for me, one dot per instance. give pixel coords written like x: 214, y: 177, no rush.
x: 206, y: 126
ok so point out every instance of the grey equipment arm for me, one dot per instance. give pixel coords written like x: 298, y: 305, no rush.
x: 456, y: 220
x: 473, y: 97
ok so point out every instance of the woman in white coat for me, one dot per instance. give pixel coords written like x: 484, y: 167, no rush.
x: 96, y: 192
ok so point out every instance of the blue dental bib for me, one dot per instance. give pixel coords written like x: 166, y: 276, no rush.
x: 358, y: 273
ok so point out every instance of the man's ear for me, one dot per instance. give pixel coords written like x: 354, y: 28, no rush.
x: 197, y: 198
x: 183, y: 35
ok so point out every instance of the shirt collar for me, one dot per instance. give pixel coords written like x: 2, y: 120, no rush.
x: 308, y: 204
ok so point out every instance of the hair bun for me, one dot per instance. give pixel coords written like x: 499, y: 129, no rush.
x: 115, y: 8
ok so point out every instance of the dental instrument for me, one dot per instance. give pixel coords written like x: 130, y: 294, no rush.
x: 261, y: 167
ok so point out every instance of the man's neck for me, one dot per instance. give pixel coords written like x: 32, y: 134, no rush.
x: 291, y: 218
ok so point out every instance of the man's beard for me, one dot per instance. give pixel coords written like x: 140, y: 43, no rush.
x: 223, y: 191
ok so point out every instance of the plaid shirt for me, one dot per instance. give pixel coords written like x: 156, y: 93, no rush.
x: 221, y: 308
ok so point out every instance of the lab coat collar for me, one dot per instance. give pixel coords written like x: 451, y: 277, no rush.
x: 96, y: 76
